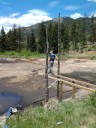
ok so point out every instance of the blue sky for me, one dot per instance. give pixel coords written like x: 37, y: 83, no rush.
x: 29, y: 12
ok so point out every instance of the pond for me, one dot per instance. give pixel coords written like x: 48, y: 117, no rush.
x: 8, y: 100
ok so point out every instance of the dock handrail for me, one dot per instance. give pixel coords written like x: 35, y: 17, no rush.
x: 74, y: 86
x: 75, y: 81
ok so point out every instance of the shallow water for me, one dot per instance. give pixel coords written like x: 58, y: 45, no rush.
x: 8, y: 100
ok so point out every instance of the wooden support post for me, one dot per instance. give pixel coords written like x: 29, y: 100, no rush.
x: 60, y: 90
x: 73, y: 91
x: 46, y: 68
x: 58, y: 72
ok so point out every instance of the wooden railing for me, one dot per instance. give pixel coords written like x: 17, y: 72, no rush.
x: 73, y: 83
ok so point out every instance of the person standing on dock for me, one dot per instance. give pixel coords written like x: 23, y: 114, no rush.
x: 52, y: 57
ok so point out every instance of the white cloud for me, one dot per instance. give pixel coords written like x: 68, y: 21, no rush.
x: 93, y: 14
x: 92, y: 0
x: 71, y: 7
x: 53, y: 3
x: 14, y: 14
x: 38, y: 12
x: 32, y: 17
x: 76, y: 15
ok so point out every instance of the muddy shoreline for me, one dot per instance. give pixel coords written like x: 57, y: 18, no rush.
x: 22, y: 77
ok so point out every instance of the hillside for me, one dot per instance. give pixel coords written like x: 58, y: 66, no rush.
x: 66, y: 20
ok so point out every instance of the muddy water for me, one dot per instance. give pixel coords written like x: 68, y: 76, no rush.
x: 8, y: 100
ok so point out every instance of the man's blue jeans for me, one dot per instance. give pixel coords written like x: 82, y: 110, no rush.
x: 51, y: 67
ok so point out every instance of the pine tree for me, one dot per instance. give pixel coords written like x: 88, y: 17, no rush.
x: 65, y: 38
x: 95, y: 36
x: 14, y: 38
x: 41, y: 45
x: 74, y: 35
x: 9, y: 36
x: 93, y: 32
x: 50, y: 35
x: 54, y: 37
x: 81, y: 41
x: 28, y: 41
x: 82, y: 34
x: 19, y: 39
x: 3, y: 41
x: 32, y: 44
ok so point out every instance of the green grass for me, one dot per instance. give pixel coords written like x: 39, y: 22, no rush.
x: 71, y: 114
x: 23, y: 54
x: 79, y: 56
x: 28, y: 55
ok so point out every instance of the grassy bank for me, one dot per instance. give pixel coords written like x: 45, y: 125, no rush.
x: 23, y: 54
x: 86, y: 55
x: 67, y: 114
x: 27, y: 54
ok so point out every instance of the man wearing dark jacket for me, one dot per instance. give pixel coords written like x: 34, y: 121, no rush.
x: 51, y: 60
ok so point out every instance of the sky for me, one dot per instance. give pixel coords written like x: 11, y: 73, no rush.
x: 29, y: 12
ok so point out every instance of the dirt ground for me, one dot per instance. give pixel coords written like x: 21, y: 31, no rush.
x: 26, y: 77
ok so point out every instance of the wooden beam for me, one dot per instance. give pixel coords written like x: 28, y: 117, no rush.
x: 72, y: 84
x: 75, y: 81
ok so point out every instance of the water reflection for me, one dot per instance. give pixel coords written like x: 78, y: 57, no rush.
x: 8, y: 100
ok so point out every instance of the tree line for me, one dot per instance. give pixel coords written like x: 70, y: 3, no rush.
x: 72, y: 37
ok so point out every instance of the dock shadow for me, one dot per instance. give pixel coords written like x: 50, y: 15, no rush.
x: 83, y: 76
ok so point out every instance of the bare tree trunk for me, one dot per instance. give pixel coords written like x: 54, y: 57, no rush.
x: 46, y: 68
x: 58, y: 72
